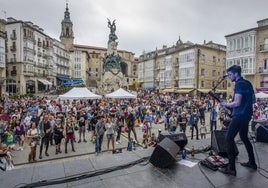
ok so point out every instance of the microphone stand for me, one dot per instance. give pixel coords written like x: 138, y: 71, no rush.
x: 213, y: 91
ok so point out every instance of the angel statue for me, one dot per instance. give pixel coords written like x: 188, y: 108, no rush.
x: 112, y: 26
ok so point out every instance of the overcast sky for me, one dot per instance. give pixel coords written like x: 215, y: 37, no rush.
x: 142, y: 25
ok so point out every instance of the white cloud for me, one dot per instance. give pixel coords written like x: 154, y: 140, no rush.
x: 141, y: 24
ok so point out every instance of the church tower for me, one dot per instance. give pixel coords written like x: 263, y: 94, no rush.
x: 67, y: 35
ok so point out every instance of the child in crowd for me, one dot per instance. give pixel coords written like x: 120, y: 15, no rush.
x: 203, y: 130
x: 152, y: 140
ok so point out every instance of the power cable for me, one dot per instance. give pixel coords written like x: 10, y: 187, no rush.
x: 81, y: 175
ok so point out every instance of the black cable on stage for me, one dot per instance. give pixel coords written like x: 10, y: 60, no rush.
x: 258, y: 160
x: 81, y: 176
x: 210, y: 182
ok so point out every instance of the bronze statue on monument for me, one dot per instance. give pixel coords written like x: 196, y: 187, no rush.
x: 112, y: 77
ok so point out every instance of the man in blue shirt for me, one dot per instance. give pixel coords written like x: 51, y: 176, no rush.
x: 242, y: 106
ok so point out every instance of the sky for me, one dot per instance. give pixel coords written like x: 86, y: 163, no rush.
x: 141, y: 25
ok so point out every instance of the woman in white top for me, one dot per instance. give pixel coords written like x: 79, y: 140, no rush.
x: 27, y: 121
x: 32, y: 135
x: 109, y: 126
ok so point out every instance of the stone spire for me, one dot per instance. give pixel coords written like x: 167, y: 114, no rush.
x: 67, y: 35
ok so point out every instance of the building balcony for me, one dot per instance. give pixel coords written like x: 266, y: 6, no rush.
x: 175, y: 64
x: 13, y: 36
x: 2, y: 80
x: 31, y: 38
x: 264, y: 48
x: 264, y: 84
x: 45, y: 55
x: 28, y: 73
x: 45, y: 46
x: 176, y: 78
x: 39, y: 44
x: 13, y: 73
x: 2, y: 65
x: 263, y: 71
x: 27, y: 49
x: 13, y: 60
x: 42, y: 65
x: 13, y: 48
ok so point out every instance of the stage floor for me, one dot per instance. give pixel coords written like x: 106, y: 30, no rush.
x: 92, y: 171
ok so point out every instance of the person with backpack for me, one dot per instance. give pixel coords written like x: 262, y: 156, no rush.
x: 99, y: 132
x: 193, y: 123
x: 130, y: 125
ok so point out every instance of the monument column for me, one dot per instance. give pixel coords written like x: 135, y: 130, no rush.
x: 112, y: 77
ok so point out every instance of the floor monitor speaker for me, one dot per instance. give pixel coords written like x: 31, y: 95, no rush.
x: 164, y: 153
x: 219, y: 144
x: 261, y: 133
x: 179, y: 138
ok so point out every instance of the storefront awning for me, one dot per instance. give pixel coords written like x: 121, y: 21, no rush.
x: 208, y: 90
x: 63, y: 78
x: 204, y: 90
x: 45, y: 82
x: 169, y: 90
x: 78, y: 81
x: 263, y: 89
x: 184, y: 90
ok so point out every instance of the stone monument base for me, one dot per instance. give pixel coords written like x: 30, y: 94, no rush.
x: 111, y: 82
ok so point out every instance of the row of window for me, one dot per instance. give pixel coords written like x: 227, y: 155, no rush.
x: 241, y: 43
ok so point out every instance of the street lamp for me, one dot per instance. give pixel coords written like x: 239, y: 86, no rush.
x: 197, y: 67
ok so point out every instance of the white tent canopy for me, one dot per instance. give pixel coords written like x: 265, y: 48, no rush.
x: 261, y: 95
x: 79, y: 93
x: 121, y: 94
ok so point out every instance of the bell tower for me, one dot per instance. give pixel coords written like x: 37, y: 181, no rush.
x: 67, y: 35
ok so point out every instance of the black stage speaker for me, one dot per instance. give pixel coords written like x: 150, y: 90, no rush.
x: 164, y: 153
x: 179, y: 138
x: 256, y: 122
x: 219, y: 144
x: 261, y: 133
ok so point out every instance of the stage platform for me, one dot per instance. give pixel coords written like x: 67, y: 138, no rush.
x: 120, y: 170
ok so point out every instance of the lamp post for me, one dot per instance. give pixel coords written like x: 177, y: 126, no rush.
x: 197, y: 67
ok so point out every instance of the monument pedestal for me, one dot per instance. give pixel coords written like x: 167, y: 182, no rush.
x: 111, y: 82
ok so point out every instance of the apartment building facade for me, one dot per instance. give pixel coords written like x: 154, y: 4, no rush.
x: 249, y: 49
x: 184, y: 68
x: 3, y: 39
x: 61, y: 67
x: 32, y: 58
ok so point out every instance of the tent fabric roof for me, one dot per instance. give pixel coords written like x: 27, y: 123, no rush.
x: 261, y: 95
x: 79, y: 93
x: 45, y: 82
x: 121, y: 94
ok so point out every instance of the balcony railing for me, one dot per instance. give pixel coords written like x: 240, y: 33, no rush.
x: 28, y: 73
x: 13, y: 48
x: 2, y: 80
x: 29, y: 50
x: 13, y: 73
x: 2, y: 65
x: 264, y: 47
x: 263, y: 71
x: 13, y: 60
x: 13, y: 36
x: 29, y: 37
x: 45, y: 46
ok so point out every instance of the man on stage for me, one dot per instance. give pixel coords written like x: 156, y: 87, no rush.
x: 242, y: 106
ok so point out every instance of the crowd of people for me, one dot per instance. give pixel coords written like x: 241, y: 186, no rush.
x: 41, y: 122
